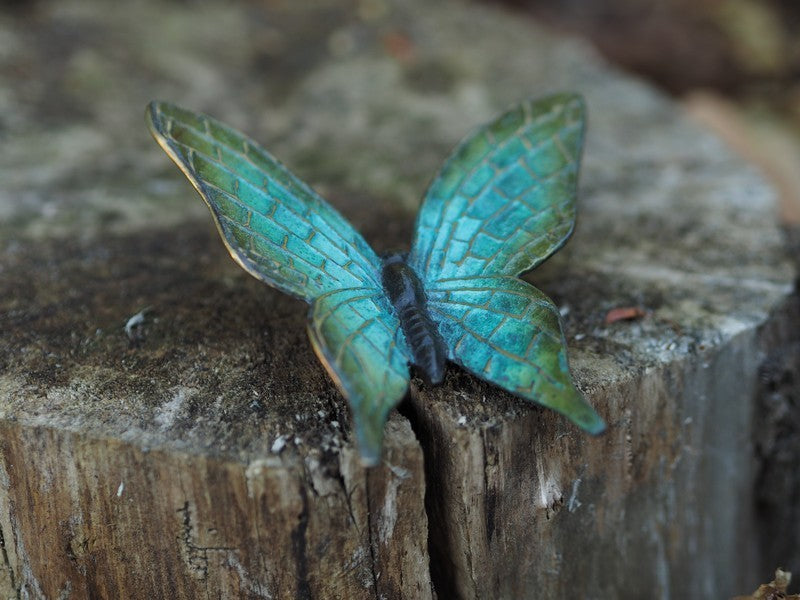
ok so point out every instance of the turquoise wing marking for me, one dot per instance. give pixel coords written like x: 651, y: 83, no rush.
x: 504, y: 330
x: 503, y: 202
x: 274, y: 225
x: 505, y: 199
x: 357, y: 336
x: 280, y: 231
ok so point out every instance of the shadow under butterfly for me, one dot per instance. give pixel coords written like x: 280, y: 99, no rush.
x: 502, y: 203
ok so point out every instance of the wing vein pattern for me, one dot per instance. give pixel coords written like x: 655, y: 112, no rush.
x: 504, y: 200
x: 502, y: 203
x: 506, y: 331
x: 357, y: 336
x: 283, y: 233
x: 273, y: 224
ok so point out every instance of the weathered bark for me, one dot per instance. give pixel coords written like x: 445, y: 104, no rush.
x: 209, y: 455
x: 776, y: 438
x: 100, y: 518
x: 540, y: 511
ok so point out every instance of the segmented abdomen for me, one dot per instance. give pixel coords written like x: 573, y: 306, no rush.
x: 405, y: 291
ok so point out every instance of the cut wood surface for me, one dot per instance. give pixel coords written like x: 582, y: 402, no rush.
x: 204, y: 453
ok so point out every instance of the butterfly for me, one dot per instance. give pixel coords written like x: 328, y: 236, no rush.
x: 502, y: 203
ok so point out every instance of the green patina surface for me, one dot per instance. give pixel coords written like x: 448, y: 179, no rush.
x: 504, y: 202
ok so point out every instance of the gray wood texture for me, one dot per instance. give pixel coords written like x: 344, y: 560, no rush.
x: 208, y: 455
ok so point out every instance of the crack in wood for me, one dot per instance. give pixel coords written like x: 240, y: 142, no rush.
x: 370, y: 539
x: 196, y: 556
x: 489, y: 494
x: 7, y: 565
x: 437, y: 542
x: 299, y: 549
x: 348, y: 496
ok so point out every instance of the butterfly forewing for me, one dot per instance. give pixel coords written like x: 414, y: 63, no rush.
x: 273, y: 224
x: 505, y: 199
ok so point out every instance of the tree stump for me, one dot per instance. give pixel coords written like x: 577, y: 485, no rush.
x: 203, y: 451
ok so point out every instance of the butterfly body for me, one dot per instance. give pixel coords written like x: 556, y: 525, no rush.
x: 502, y: 203
x: 404, y: 288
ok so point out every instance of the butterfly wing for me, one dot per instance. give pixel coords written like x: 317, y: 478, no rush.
x: 505, y: 199
x: 274, y: 225
x: 281, y: 232
x: 503, y: 202
x: 504, y: 330
x: 357, y: 337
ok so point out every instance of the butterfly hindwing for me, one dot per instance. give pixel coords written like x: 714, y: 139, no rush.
x: 504, y: 330
x: 357, y: 337
x: 503, y: 202
x: 280, y: 231
x: 505, y: 198
x: 275, y: 226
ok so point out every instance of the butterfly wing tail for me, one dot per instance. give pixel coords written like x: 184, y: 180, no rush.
x: 507, y: 332
x: 358, y: 339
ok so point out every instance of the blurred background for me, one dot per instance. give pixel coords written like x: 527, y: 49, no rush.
x: 735, y: 63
